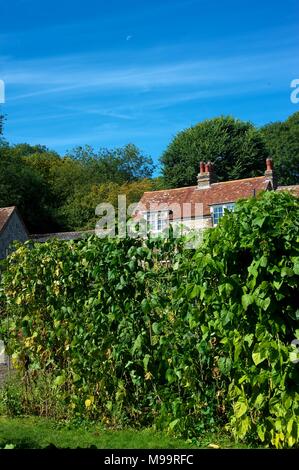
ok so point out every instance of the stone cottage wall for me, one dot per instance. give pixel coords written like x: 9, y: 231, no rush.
x: 14, y: 230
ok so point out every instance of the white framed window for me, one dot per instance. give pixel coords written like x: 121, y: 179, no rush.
x: 218, y: 211
x: 156, y: 221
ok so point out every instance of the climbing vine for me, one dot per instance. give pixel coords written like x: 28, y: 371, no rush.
x: 149, y: 332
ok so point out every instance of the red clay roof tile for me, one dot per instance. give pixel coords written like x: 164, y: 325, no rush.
x: 217, y: 193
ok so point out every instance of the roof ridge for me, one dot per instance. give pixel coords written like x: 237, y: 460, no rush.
x: 56, y: 233
x: 288, y: 186
x: 8, y: 207
x: 212, y: 184
x: 8, y: 211
x: 170, y: 189
x: 238, y: 181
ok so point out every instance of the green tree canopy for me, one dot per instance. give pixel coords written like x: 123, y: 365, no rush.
x: 234, y: 147
x: 120, y: 165
x: 24, y: 187
x: 79, y: 210
x: 26, y: 150
x: 282, y: 142
x: 61, y: 193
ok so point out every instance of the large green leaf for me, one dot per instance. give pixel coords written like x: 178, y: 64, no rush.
x: 240, y: 408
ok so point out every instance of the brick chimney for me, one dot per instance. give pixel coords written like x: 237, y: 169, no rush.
x: 204, y: 176
x: 269, y: 173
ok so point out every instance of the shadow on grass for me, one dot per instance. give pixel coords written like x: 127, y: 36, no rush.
x: 24, y: 443
x: 27, y: 443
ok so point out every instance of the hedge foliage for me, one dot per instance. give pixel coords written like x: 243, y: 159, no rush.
x: 149, y: 332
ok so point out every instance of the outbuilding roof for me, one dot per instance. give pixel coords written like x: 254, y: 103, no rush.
x: 5, y: 214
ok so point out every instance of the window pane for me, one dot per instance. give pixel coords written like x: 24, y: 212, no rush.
x: 230, y: 207
x: 161, y: 224
x: 217, y: 214
x: 151, y: 220
x: 156, y: 221
x: 162, y: 220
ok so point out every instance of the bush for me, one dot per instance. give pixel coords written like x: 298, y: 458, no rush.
x: 243, y: 287
x: 11, y: 402
x: 147, y: 332
x: 31, y: 394
x: 98, y: 314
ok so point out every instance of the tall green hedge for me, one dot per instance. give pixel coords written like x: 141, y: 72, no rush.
x: 244, y: 282
x: 149, y: 332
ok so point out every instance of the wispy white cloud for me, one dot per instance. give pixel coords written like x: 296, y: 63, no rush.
x: 124, y: 94
x: 67, y: 74
x: 114, y: 112
x: 105, y: 133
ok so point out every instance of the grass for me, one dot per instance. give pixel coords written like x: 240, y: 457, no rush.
x: 34, y: 433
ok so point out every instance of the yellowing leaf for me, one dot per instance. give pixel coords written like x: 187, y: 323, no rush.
x: 244, y: 427
x: 258, y: 357
x: 148, y: 376
x: 214, y: 446
x: 290, y: 425
x: 291, y: 441
x: 260, y: 400
x: 89, y: 401
x: 240, y: 408
x: 261, y: 432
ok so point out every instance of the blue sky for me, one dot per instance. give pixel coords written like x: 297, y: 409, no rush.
x: 105, y: 73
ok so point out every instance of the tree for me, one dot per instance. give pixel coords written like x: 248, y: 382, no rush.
x: 282, y: 142
x: 26, y: 150
x: 79, y: 210
x: 23, y: 187
x: 121, y: 165
x: 61, y: 193
x: 234, y: 147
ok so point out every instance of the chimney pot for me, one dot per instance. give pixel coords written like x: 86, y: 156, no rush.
x: 204, y: 176
x: 269, y: 173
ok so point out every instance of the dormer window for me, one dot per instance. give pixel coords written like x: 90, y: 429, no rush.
x: 218, y: 211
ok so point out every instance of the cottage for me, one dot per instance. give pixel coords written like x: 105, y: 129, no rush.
x: 202, y: 206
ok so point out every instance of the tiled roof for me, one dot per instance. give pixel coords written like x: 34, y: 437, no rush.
x: 293, y: 189
x: 43, y: 237
x: 5, y: 213
x: 217, y: 193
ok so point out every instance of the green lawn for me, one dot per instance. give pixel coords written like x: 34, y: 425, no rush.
x: 33, y: 432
